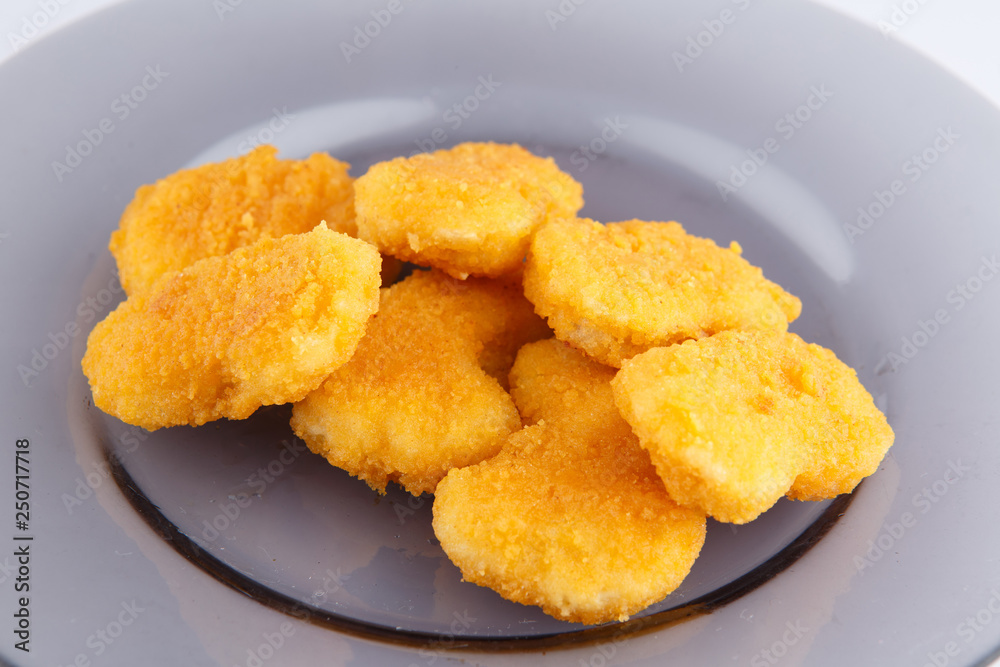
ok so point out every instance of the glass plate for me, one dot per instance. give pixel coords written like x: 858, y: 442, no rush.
x: 856, y: 174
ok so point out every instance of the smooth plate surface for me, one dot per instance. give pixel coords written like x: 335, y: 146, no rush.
x: 803, y: 116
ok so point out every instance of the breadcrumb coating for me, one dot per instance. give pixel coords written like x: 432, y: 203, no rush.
x: 571, y: 514
x: 619, y: 289
x: 263, y: 325
x: 211, y: 210
x: 560, y: 481
x: 422, y: 395
x: 554, y: 382
x: 468, y: 210
x: 737, y: 420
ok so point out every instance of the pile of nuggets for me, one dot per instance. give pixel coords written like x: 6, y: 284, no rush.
x: 578, y: 396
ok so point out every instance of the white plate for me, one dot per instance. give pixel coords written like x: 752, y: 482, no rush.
x: 651, y: 107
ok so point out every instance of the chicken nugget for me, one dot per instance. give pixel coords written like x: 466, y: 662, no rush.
x: 554, y: 382
x: 263, y: 325
x: 213, y: 209
x: 619, y: 289
x: 737, y: 420
x: 421, y: 394
x: 469, y: 210
x: 571, y: 514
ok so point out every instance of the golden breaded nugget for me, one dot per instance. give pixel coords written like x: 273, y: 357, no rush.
x: 619, y: 289
x: 551, y: 381
x: 263, y: 325
x: 213, y: 209
x: 469, y: 210
x: 570, y: 515
x: 737, y: 420
x: 415, y: 401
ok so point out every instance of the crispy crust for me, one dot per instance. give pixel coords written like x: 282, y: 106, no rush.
x: 619, y: 289
x: 422, y: 394
x: 468, y: 210
x: 213, y: 209
x: 262, y: 325
x: 737, y: 420
x: 570, y: 515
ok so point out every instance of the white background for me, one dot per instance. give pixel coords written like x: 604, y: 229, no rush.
x: 960, y: 35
